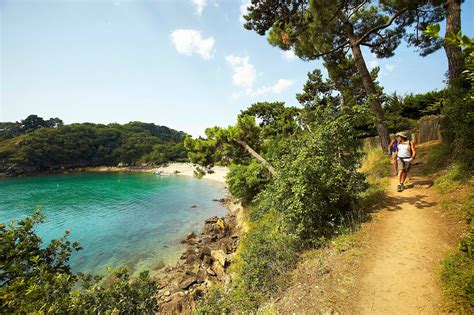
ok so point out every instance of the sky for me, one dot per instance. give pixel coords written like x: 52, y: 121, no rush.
x: 185, y: 64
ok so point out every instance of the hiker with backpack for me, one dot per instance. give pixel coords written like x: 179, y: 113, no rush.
x: 392, y: 150
x: 405, y: 154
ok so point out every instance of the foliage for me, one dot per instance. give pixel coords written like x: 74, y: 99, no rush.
x: 31, y: 123
x: 344, y: 88
x: 375, y: 162
x: 257, y: 131
x: 246, y: 181
x: 266, y: 256
x: 376, y: 167
x: 216, y: 302
x: 456, y: 175
x: 457, y: 275
x: 459, y: 108
x: 437, y: 158
x: 457, y: 128
x: 329, y: 30
x: 317, y: 183
x: 464, y: 42
x: 37, y: 278
x: 415, y: 106
x: 92, y: 145
x: 315, y: 190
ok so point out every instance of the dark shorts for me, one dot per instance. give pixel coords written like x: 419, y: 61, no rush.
x: 404, y: 164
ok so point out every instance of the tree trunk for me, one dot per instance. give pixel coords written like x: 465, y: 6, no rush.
x: 370, y: 89
x: 454, y: 54
x: 257, y: 156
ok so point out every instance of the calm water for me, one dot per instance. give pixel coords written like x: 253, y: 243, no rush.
x: 119, y: 218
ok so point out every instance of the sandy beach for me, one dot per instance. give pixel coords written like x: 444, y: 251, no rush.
x: 187, y: 169
x: 175, y: 169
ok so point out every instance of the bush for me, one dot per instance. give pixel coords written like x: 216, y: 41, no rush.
x: 375, y: 162
x: 458, y: 130
x: 318, y: 184
x: 37, y: 278
x: 267, y: 255
x: 376, y: 167
x: 456, y: 175
x: 457, y: 275
x: 246, y: 181
x: 438, y: 157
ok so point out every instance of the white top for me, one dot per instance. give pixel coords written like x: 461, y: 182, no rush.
x: 404, y: 150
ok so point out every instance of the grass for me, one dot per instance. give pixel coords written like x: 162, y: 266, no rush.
x: 457, y: 276
x: 453, y: 178
x: 375, y: 163
x: 455, y: 185
x: 343, y: 242
x: 376, y: 166
x: 437, y: 159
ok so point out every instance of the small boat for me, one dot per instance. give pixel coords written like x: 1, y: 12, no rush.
x: 161, y: 173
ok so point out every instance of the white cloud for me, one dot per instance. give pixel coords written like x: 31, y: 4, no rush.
x: 389, y: 67
x: 244, y: 72
x: 373, y: 63
x: 277, y: 88
x: 199, y: 5
x: 243, y: 10
x: 244, y: 76
x: 289, y: 54
x: 188, y: 42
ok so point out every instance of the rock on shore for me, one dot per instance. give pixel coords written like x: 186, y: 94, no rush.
x: 205, y: 262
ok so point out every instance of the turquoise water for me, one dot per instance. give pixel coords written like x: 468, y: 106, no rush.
x: 133, y: 219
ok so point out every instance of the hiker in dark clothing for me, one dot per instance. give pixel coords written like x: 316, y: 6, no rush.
x: 392, y: 150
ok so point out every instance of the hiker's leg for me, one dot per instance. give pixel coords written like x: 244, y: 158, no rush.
x: 399, y: 164
x: 403, y: 176
x: 395, y: 166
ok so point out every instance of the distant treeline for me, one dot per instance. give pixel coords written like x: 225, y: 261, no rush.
x: 35, y: 144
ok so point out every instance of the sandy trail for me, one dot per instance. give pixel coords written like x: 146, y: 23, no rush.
x: 407, y: 241
x: 392, y: 264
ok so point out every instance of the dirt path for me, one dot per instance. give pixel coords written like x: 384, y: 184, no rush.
x: 389, y: 266
x: 405, y: 247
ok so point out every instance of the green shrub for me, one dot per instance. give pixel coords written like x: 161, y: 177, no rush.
x: 455, y: 176
x: 457, y: 275
x: 37, y: 278
x: 375, y: 162
x: 216, y: 302
x: 318, y: 184
x: 438, y: 157
x: 314, y: 192
x: 246, y: 181
x: 267, y: 255
x: 457, y: 129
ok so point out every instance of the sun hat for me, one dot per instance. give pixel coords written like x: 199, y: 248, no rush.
x: 402, y: 134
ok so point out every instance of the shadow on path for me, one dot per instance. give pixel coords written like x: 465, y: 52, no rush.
x: 395, y: 203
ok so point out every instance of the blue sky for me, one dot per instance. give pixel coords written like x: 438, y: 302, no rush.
x: 186, y: 64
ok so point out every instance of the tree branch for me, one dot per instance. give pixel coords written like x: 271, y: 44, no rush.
x: 257, y: 156
x: 367, y: 44
x: 380, y: 27
x: 357, y: 9
x: 332, y: 50
x: 337, y: 11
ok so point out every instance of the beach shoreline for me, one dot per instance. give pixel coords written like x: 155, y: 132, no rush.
x: 218, y: 174
x: 172, y: 169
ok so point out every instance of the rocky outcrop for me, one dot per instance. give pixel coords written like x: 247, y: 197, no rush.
x: 205, y: 262
x: 14, y: 170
